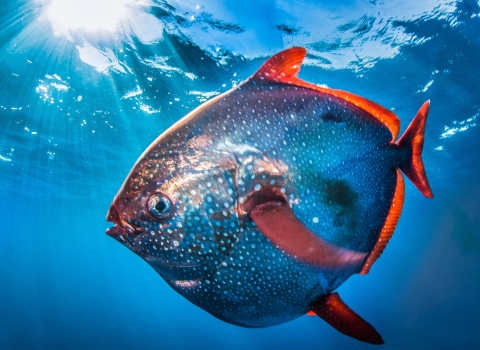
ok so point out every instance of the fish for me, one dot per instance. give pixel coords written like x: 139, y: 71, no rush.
x: 258, y: 204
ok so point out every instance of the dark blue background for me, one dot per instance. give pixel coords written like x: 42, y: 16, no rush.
x: 65, y: 284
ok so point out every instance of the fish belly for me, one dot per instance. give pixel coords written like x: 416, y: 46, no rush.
x: 258, y: 286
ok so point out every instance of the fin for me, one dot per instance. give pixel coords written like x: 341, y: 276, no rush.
x: 389, y: 226
x: 278, y: 223
x: 284, y: 67
x: 336, y: 313
x: 311, y: 313
x: 413, y: 139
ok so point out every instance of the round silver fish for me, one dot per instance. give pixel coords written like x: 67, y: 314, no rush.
x: 257, y: 205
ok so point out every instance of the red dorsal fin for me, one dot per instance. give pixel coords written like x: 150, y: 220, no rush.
x: 389, y: 226
x: 336, y: 313
x: 277, y: 222
x: 413, y: 140
x: 284, y: 67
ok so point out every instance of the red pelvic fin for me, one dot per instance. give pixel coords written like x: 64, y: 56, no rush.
x: 335, y: 312
x: 413, y: 139
x: 276, y: 220
x: 389, y: 226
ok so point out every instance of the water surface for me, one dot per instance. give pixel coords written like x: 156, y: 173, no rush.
x: 86, y: 86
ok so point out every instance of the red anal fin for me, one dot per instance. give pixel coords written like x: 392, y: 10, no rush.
x: 277, y: 222
x: 389, y: 226
x: 413, y: 139
x: 284, y: 67
x: 336, y: 313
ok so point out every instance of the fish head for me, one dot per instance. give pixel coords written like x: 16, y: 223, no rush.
x: 177, y: 209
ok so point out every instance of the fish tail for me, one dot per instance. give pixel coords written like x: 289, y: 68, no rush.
x: 412, y: 140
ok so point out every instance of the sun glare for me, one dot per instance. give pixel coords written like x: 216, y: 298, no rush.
x: 89, y: 15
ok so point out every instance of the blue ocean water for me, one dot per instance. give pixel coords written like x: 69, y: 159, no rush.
x: 86, y: 86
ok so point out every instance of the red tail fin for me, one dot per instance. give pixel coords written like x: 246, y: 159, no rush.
x: 413, y: 139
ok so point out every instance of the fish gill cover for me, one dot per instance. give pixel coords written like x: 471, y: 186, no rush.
x: 88, y: 85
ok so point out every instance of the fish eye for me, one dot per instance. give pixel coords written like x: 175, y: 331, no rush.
x: 160, y: 206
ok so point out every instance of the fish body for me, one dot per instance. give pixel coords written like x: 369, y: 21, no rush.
x: 261, y: 202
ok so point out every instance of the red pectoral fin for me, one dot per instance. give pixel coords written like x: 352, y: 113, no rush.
x: 277, y: 222
x: 335, y: 312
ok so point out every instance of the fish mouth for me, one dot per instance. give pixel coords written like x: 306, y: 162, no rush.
x: 116, y: 231
x: 121, y: 227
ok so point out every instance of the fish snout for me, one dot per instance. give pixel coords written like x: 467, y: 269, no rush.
x: 112, y: 215
x: 121, y: 227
